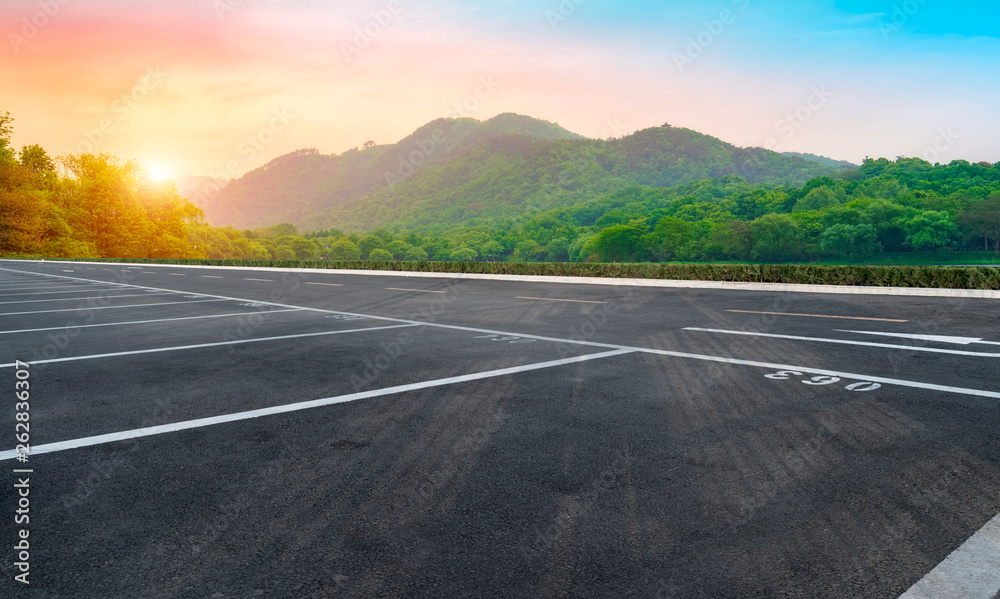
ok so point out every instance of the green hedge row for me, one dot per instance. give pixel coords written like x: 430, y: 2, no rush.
x: 941, y: 277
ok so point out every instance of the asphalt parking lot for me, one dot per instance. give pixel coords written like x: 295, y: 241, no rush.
x: 212, y: 432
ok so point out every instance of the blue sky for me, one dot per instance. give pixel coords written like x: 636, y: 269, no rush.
x: 846, y: 79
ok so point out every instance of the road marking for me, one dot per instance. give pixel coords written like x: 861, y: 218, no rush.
x: 305, y: 405
x: 330, y: 284
x: 549, y: 299
x: 211, y: 277
x: 147, y: 272
x: 767, y: 365
x: 936, y: 338
x: 818, y: 316
x: 74, y: 299
x: 414, y: 290
x: 955, y: 352
x: 204, y: 345
x: 78, y: 290
x: 971, y: 572
x: 176, y: 274
x: 115, y: 324
x: 85, y: 308
x: 261, y: 280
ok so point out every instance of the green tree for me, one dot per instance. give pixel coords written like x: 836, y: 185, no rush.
x: 368, y: 243
x: 284, y: 252
x: 379, y: 255
x: 398, y: 249
x: 464, y: 254
x: 776, y: 238
x: 983, y: 220
x: 929, y: 230
x: 344, y: 250
x: 415, y: 254
x: 305, y: 249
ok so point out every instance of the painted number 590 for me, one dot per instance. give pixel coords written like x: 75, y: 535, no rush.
x: 817, y: 381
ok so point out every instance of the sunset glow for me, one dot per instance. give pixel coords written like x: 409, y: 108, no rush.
x: 206, y: 78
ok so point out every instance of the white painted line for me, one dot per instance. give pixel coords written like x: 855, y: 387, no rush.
x: 204, y: 345
x: 971, y: 572
x: 935, y: 338
x: 415, y: 290
x: 261, y: 280
x: 305, y: 405
x: 955, y: 352
x: 328, y: 284
x: 174, y: 274
x: 211, y: 277
x: 817, y: 316
x: 147, y: 272
x: 549, y: 299
x: 85, y: 290
x: 115, y: 324
x: 858, y: 377
x: 75, y: 299
x: 85, y: 308
x: 834, y: 373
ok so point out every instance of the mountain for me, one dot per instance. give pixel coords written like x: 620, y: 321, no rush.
x: 459, y: 170
x: 830, y: 162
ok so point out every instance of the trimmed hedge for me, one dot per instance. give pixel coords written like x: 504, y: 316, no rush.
x: 940, y: 277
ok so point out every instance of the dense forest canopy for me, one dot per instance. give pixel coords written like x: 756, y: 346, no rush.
x: 86, y: 205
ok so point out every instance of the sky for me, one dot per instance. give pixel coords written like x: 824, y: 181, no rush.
x: 220, y: 87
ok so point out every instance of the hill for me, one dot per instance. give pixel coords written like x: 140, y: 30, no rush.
x: 464, y: 170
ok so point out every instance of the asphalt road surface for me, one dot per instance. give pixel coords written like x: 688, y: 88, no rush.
x: 224, y: 433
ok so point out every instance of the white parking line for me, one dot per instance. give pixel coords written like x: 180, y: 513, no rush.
x: 857, y: 377
x: 305, y: 405
x: 204, y: 345
x: 85, y: 290
x: 115, y: 324
x: 956, y: 352
x: 75, y: 299
x: 85, y: 308
x: 971, y: 572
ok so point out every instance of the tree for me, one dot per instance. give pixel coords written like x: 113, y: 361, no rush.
x: 6, y: 153
x: 463, y: 254
x: 368, y: 243
x: 851, y: 241
x: 398, y: 249
x: 983, y: 219
x: 344, y: 250
x: 380, y: 255
x: 415, y: 254
x: 305, y: 249
x: 283, y: 252
x: 929, y: 230
x: 776, y: 238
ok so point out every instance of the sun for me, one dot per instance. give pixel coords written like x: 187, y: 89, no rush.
x: 157, y: 172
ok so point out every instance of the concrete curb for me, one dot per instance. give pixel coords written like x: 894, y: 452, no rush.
x: 662, y: 283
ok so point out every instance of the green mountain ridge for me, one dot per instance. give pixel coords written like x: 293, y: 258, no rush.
x: 452, y: 171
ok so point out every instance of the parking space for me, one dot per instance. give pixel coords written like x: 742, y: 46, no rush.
x: 248, y: 434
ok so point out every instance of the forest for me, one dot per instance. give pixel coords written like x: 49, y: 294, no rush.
x: 100, y: 206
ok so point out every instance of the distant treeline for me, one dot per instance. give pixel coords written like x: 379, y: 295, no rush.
x: 86, y: 205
